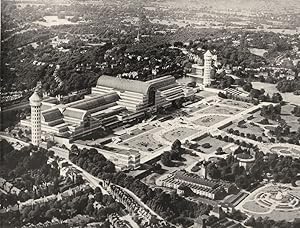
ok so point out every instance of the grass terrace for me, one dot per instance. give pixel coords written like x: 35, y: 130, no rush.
x: 144, y: 142
x: 195, y: 108
x: 179, y: 133
x: 216, y: 109
x: 255, y: 207
x: 209, y: 120
x: 239, y: 104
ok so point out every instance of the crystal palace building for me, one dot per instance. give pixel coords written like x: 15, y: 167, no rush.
x: 112, y: 103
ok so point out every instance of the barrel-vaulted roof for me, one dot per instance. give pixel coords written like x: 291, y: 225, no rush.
x: 51, y: 115
x: 122, y: 84
x: 74, y: 113
x: 96, y: 101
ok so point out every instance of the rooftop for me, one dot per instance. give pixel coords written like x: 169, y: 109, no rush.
x: 136, y: 86
x: 244, y: 156
x: 51, y: 115
x: 193, y: 178
x: 96, y: 101
x: 35, y: 97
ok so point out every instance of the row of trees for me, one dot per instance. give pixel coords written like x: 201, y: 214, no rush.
x: 288, y: 85
x: 242, y: 134
x: 260, y: 222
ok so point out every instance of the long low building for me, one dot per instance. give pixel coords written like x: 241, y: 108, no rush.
x: 179, y: 180
x: 113, y: 102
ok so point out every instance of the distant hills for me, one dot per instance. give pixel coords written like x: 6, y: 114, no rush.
x: 253, y: 5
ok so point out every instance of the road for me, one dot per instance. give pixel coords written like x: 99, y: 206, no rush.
x: 18, y: 106
x: 12, y: 140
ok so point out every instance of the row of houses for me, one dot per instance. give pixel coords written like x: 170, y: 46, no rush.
x: 9, y: 187
x: 116, y: 222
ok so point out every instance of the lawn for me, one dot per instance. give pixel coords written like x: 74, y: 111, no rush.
x: 248, y: 129
x: 178, y: 133
x: 216, y: 109
x: 208, y: 121
x: 144, y: 142
x: 255, y: 207
x: 205, y: 94
x: 290, y: 119
x: 239, y: 104
x: 271, y: 88
x: 215, y: 144
x: 194, y: 108
x: 284, y: 215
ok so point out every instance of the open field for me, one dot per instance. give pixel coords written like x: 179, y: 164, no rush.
x: 54, y: 20
x: 178, y: 133
x: 216, y: 109
x: 208, y: 121
x: 258, y: 51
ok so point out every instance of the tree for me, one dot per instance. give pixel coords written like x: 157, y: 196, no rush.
x: 176, y: 145
x: 166, y: 159
x: 98, y: 194
x: 242, y: 181
x: 213, y: 171
x: 235, y: 169
x: 219, y: 150
x: 276, y: 98
x: 247, y: 87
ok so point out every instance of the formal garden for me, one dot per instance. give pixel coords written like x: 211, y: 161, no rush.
x: 278, y: 202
